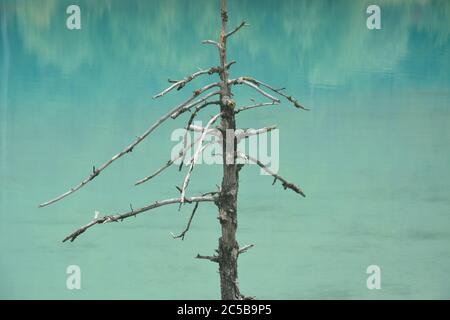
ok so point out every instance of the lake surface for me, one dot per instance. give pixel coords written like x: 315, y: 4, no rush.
x: 372, y: 155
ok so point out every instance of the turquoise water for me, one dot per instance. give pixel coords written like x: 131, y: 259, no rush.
x: 372, y: 155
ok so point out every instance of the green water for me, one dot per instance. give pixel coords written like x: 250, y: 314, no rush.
x: 373, y: 155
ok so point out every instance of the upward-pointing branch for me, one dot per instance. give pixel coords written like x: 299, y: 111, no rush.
x: 243, y: 24
x: 200, y: 148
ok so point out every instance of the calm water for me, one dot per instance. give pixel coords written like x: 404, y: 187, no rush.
x: 373, y: 155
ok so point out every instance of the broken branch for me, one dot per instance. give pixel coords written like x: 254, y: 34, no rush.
x: 210, y: 258
x: 245, y: 248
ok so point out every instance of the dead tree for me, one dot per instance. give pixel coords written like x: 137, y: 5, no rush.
x: 225, y: 197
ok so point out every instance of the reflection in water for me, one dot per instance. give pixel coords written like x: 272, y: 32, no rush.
x: 372, y: 154
x: 325, y: 40
x: 136, y: 30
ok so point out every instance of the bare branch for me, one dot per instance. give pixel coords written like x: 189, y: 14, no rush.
x: 181, y: 83
x: 196, y: 102
x: 257, y: 105
x: 181, y: 155
x: 191, y: 119
x: 284, y: 182
x: 245, y: 248
x: 239, y: 134
x: 164, y: 167
x: 229, y: 64
x: 215, y: 43
x: 252, y: 132
x: 242, y: 80
x: 261, y: 91
x: 135, y: 212
x: 182, y: 234
x: 243, y: 24
x: 189, y: 104
x: 168, y: 163
x: 210, y: 258
x: 96, y: 172
x: 278, y: 91
x: 194, y: 158
x: 193, y: 161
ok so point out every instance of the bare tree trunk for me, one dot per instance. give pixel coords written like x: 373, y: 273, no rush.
x: 228, y: 246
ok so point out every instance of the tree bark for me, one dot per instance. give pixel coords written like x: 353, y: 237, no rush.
x: 228, y: 247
